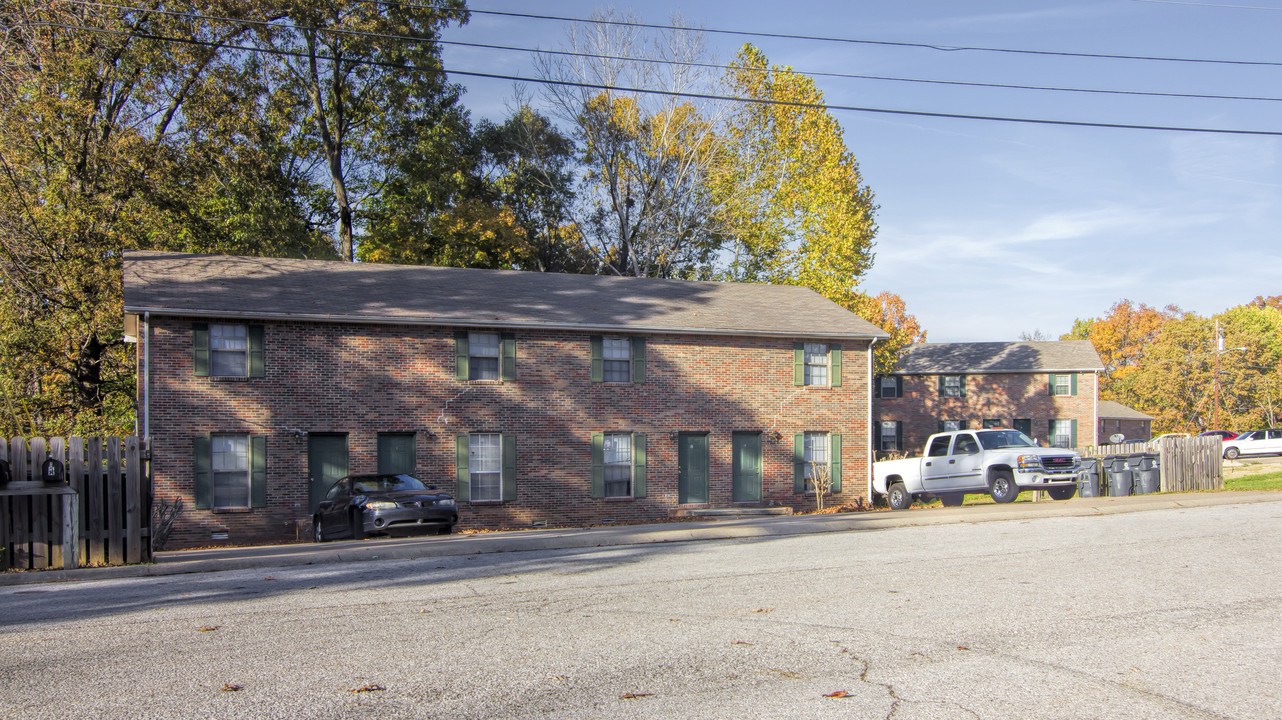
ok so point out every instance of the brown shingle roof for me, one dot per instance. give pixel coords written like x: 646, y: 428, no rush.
x: 252, y: 287
x: 999, y: 357
x: 1114, y: 410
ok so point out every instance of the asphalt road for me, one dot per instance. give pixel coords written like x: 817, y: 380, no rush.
x: 1171, y: 613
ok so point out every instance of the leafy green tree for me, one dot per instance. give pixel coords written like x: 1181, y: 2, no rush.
x: 796, y: 207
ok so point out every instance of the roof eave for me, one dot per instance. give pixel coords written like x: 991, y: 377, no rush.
x: 471, y: 322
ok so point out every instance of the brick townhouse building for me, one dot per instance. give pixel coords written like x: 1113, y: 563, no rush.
x: 1048, y: 390
x: 537, y: 398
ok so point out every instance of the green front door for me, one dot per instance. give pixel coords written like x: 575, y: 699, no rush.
x: 692, y: 468
x: 326, y: 464
x: 747, y: 467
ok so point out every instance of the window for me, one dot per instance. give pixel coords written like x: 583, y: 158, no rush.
x: 616, y: 355
x: 890, y: 386
x: 965, y: 445
x: 889, y: 435
x: 1063, y: 433
x: 816, y: 364
x: 951, y: 425
x: 228, y: 351
x: 229, y: 455
x: 618, y: 464
x: 1063, y: 384
x: 951, y: 386
x: 992, y: 423
x: 485, y: 467
x: 816, y: 454
x: 483, y: 356
x: 939, y: 446
x: 813, y: 454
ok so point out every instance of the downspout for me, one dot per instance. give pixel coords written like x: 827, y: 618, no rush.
x: 1095, y: 413
x: 146, y: 378
x: 872, y: 394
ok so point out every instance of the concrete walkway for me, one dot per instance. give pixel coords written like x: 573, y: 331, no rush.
x: 195, y: 561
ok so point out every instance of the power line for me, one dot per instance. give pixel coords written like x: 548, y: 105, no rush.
x: 680, y: 63
x: 688, y: 95
x: 1211, y: 5
x: 822, y: 38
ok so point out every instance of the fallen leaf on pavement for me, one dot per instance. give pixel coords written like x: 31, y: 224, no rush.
x: 962, y: 647
x: 209, y: 628
x: 228, y: 687
x: 837, y: 694
x: 631, y: 696
x: 740, y: 642
x: 368, y: 688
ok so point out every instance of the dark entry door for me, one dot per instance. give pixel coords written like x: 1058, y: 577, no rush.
x: 747, y: 467
x: 692, y: 464
x: 1024, y: 426
x: 326, y: 465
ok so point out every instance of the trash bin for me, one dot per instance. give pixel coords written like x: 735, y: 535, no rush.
x: 1147, y: 473
x: 1120, y: 476
x: 1088, y: 478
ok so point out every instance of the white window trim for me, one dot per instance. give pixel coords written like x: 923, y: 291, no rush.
x: 476, y: 352
x: 626, y: 360
x: 473, y: 455
x: 214, y: 352
x: 881, y: 435
x: 214, y: 472
x: 826, y: 354
x: 808, y: 454
x: 629, y: 464
x: 951, y: 390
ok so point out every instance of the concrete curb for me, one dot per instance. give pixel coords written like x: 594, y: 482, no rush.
x: 200, y: 561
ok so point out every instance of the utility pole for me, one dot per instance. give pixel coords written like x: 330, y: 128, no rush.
x: 1219, y: 350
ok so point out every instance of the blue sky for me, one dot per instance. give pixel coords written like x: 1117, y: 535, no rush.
x: 991, y: 229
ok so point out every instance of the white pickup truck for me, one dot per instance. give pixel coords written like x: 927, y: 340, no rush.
x: 999, y: 462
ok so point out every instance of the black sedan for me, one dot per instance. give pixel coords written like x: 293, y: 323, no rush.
x: 361, y: 505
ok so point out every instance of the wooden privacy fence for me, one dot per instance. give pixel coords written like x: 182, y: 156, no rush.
x: 112, y: 483
x: 1185, y: 464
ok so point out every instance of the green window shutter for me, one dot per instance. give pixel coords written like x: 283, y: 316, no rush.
x: 1050, y: 431
x: 638, y: 465
x: 835, y: 363
x: 508, y: 371
x: 961, y: 384
x: 598, y: 465
x: 1072, y: 385
x: 941, y: 386
x: 460, y: 355
x: 899, y: 435
x: 1050, y: 384
x: 258, y: 471
x: 941, y: 426
x: 463, y: 480
x: 834, y: 460
x: 964, y: 424
x: 798, y: 363
x: 509, y: 467
x: 899, y: 386
x: 597, y: 368
x: 257, y: 366
x: 1072, y: 432
x: 200, y: 350
x: 799, y: 462
x: 638, y: 360
x: 204, y: 467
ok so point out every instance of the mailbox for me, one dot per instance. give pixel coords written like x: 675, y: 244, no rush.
x: 53, y: 472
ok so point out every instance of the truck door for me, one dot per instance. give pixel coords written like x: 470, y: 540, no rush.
x: 936, y: 472
x: 966, y: 463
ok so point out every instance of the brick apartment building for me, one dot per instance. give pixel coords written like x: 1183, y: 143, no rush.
x: 1118, y: 419
x: 1048, y: 390
x: 537, y: 398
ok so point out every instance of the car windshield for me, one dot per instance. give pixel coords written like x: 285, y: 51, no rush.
x: 992, y: 439
x: 386, y: 483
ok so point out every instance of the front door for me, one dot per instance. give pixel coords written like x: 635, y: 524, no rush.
x: 747, y: 467
x: 692, y: 468
x: 326, y: 465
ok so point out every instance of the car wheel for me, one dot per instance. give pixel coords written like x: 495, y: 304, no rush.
x: 1232, y: 453
x: 1062, y: 493
x: 952, y: 499
x: 318, y: 532
x: 358, y: 525
x: 1003, y: 487
x: 898, y: 497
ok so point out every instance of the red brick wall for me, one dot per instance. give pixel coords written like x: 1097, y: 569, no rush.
x: 1005, y: 397
x: 366, y: 379
x: 1134, y: 430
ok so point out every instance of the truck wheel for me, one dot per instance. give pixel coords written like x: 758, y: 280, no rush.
x: 1062, y: 493
x: 898, y: 497
x: 1003, y: 487
x: 952, y: 499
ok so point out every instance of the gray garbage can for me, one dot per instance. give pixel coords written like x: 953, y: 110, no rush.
x: 1148, y: 475
x: 1120, y: 477
x: 1088, y: 478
